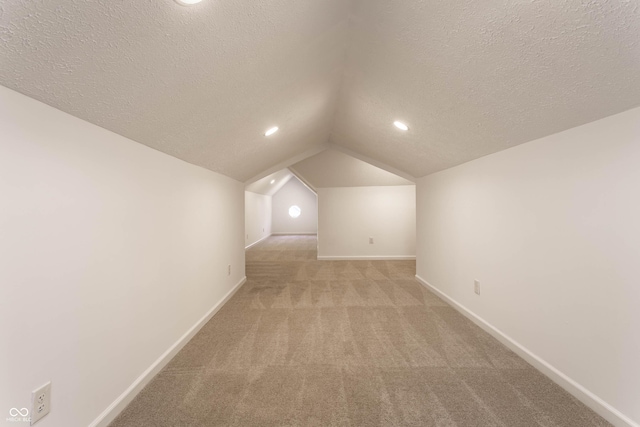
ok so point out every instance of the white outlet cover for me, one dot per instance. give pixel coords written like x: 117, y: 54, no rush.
x: 40, y: 402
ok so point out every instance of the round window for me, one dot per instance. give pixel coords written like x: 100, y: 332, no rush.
x: 294, y: 211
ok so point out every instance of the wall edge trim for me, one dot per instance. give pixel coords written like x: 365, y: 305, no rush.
x: 121, y: 402
x: 574, y: 388
x: 257, y: 241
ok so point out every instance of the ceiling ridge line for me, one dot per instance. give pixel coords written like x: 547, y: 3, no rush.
x: 348, y: 42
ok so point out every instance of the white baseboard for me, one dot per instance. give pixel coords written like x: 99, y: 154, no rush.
x: 256, y: 242
x: 601, y: 407
x: 127, y: 396
x: 294, y: 233
x: 367, y: 258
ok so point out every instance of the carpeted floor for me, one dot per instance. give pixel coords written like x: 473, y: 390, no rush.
x: 349, y: 343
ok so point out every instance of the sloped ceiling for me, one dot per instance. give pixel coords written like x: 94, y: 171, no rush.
x: 270, y: 184
x: 203, y: 83
x: 332, y: 168
x: 472, y: 77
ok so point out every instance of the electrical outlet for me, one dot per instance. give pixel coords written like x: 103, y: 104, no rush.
x: 40, y: 402
x: 476, y: 287
x: 229, y: 270
x: 371, y: 240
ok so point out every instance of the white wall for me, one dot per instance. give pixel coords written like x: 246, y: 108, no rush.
x: 551, y: 228
x: 257, y: 217
x: 110, y: 251
x: 348, y: 216
x: 295, y: 193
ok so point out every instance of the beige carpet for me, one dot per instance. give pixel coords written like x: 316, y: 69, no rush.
x: 349, y: 343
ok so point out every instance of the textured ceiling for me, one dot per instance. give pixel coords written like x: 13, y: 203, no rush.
x: 473, y: 77
x: 332, y: 168
x: 203, y: 83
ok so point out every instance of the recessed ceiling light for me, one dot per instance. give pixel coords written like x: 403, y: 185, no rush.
x: 271, y: 131
x: 187, y: 2
x: 400, y: 125
x: 272, y: 181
